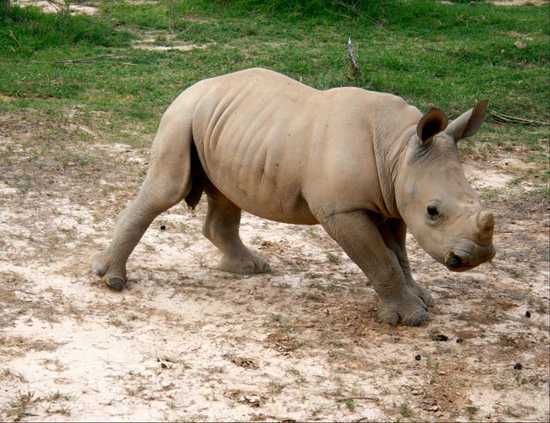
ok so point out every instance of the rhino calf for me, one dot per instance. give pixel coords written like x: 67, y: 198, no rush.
x: 362, y: 164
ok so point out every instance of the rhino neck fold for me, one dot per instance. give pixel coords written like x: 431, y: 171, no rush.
x: 389, y: 153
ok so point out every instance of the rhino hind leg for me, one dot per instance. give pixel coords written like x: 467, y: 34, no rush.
x: 167, y: 182
x: 221, y: 227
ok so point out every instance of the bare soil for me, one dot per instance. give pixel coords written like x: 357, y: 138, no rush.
x: 56, y: 6
x: 520, y: 2
x: 189, y: 342
x: 164, y: 41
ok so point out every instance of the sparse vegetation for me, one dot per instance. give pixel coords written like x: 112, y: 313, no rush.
x: 10, y: 374
x: 405, y: 410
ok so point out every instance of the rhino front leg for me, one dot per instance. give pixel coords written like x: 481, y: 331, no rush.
x: 394, y: 232
x: 359, y: 236
x: 221, y: 227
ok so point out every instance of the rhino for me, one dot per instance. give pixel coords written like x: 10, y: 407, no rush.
x: 362, y: 164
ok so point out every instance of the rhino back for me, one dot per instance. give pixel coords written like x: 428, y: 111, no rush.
x: 251, y: 140
x: 274, y: 146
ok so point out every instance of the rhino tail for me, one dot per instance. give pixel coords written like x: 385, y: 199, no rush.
x: 198, y: 179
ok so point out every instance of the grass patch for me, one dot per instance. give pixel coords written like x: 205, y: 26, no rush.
x: 25, y: 31
x: 429, y: 53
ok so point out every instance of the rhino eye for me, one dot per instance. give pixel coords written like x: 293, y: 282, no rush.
x: 433, y: 211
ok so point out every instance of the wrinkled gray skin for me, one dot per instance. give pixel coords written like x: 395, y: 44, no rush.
x: 364, y: 165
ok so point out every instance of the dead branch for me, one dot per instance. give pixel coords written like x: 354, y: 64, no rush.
x: 14, y: 38
x: 355, y: 70
x: 501, y: 117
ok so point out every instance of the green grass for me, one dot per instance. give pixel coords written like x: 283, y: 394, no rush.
x: 427, y: 52
x: 350, y: 404
x: 24, y: 32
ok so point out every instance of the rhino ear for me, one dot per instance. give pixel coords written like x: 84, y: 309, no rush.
x: 432, y: 123
x: 468, y: 123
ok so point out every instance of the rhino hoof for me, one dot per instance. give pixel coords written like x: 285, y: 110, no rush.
x: 385, y: 315
x: 409, y: 314
x: 244, y: 266
x: 424, y: 295
x: 100, y: 265
x: 416, y: 318
x: 116, y: 283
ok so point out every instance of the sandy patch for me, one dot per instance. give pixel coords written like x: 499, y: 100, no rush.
x: 519, y: 2
x: 57, y: 6
x: 483, y: 178
x: 188, y: 342
x: 164, y: 41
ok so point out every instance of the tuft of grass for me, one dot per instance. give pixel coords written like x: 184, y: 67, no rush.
x: 405, y: 410
x: 57, y: 396
x: 18, y: 407
x: 10, y: 374
x: 471, y: 410
x: 350, y: 404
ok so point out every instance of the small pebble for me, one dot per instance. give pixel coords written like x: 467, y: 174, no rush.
x: 417, y: 357
x: 459, y: 340
x: 528, y: 314
x: 162, y: 227
x: 440, y: 337
x: 518, y: 366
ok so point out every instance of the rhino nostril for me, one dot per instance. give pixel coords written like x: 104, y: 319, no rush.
x: 454, y: 261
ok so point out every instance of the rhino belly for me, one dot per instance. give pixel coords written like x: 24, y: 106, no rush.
x: 252, y: 140
x: 258, y: 176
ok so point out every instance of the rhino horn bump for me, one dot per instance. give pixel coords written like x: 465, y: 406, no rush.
x: 486, y: 224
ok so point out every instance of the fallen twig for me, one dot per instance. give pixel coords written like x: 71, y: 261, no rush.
x: 89, y: 59
x: 24, y: 292
x: 355, y: 70
x: 501, y: 117
x: 367, y: 398
x: 14, y: 38
x: 83, y: 60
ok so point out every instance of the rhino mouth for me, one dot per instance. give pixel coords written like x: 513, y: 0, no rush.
x: 461, y: 260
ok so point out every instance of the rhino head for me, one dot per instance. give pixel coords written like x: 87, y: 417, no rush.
x: 434, y: 198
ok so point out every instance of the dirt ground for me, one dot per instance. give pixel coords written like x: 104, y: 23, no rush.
x: 189, y: 342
